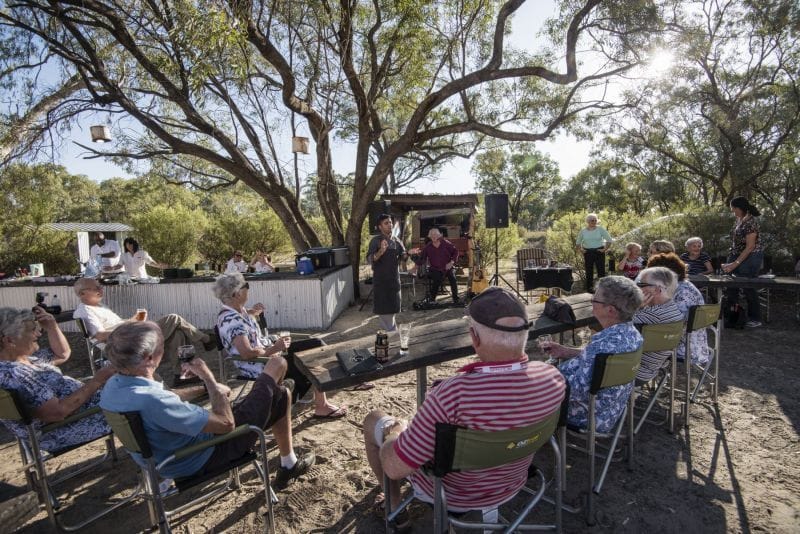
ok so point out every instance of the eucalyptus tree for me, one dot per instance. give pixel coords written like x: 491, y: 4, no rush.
x: 720, y: 118
x: 528, y: 176
x: 210, y: 83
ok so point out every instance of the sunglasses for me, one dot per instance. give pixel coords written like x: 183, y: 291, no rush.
x: 245, y: 286
x: 645, y: 284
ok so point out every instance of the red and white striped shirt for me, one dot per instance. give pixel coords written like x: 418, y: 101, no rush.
x: 486, y: 396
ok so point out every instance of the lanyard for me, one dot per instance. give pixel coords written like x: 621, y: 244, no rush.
x: 495, y: 367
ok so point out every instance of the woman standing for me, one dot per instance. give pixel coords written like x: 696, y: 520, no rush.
x: 593, y: 241
x: 384, y: 254
x: 745, y: 256
x: 134, y: 259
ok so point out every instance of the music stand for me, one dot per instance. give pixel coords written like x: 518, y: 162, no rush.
x: 496, y: 277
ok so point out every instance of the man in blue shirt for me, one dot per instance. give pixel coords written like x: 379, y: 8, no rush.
x: 136, y: 349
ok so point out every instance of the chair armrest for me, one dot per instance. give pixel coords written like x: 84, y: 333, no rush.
x: 71, y: 419
x: 213, y: 442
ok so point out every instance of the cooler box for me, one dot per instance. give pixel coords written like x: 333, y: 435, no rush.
x: 320, y: 257
x: 341, y: 256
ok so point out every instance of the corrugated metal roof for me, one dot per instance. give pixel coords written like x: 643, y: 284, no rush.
x: 89, y: 227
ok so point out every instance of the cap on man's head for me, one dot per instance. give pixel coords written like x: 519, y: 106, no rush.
x: 495, y: 303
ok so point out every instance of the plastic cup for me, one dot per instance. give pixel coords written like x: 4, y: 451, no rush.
x: 404, y: 331
x: 186, y: 353
x: 141, y: 314
x: 286, y: 336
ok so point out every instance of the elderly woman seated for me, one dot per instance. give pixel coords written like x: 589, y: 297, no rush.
x: 33, y: 375
x: 686, y: 296
x: 242, y: 337
x: 658, y: 285
x: 615, y: 300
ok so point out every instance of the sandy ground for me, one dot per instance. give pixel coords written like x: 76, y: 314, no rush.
x: 736, y: 470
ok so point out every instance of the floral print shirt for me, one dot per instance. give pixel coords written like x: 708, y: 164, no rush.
x: 231, y: 324
x: 38, y: 383
x: 739, y: 235
x: 618, y: 338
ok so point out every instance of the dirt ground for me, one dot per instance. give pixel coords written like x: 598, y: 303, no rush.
x: 736, y: 470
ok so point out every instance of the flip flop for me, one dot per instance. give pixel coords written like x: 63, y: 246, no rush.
x: 366, y: 386
x: 338, y: 413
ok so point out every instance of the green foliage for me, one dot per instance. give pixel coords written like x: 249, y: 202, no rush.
x: 240, y: 220
x: 508, y: 241
x: 525, y: 174
x: 169, y: 233
x: 122, y: 199
x: 36, y: 195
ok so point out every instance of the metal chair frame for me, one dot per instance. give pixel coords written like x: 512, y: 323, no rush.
x: 92, y: 344
x: 702, y: 316
x: 35, y: 460
x: 609, y: 370
x: 461, y: 449
x: 657, y: 338
x: 129, y: 429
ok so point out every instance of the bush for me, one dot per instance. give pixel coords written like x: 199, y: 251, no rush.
x: 170, y: 233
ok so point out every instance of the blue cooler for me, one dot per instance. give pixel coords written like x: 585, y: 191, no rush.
x: 305, y: 266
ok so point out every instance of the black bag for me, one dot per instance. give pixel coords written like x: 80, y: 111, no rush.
x: 735, y: 316
x: 559, y: 310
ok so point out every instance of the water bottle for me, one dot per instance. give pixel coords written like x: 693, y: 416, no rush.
x: 55, y: 305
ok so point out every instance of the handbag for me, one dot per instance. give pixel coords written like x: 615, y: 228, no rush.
x: 559, y: 310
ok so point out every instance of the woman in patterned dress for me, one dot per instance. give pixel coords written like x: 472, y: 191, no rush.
x: 33, y: 374
x: 745, y: 256
x: 241, y: 336
x: 615, y: 300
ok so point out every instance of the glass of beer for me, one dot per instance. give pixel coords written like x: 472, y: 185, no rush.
x: 186, y: 353
x: 286, y: 336
x: 404, y: 331
x: 141, y: 314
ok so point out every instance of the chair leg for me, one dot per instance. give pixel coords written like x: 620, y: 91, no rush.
x: 590, y: 437
x: 672, y: 376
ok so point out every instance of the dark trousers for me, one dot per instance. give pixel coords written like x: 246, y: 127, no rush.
x: 592, y: 259
x: 437, y: 277
x: 301, y: 383
x: 262, y: 407
x: 749, y: 268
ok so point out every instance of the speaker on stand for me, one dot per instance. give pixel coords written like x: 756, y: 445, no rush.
x: 496, y: 206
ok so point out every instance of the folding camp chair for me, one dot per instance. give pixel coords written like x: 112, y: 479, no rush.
x: 461, y: 449
x: 702, y: 316
x: 92, y: 345
x: 658, y: 338
x: 609, y: 370
x: 35, y: 460
x: 129, y: 429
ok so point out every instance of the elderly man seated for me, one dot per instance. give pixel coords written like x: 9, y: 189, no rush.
x: 171, y: 423
x: 101, y: 321
x: 513, y: 393
x: 615, y: 300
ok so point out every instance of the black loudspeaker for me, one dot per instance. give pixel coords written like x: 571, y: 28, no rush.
x: 376, y: 209
x: 496, y: 210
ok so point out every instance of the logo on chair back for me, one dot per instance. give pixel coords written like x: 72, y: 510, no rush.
x: 635, y: 368
x: 522, y: 443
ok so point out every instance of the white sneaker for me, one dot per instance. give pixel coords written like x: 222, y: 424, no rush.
x: 752, y: 324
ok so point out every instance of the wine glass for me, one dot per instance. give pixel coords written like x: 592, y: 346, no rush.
x: 545, y: 341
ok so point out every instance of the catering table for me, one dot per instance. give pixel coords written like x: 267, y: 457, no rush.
x: 535, y: 277
x: 431, y: 344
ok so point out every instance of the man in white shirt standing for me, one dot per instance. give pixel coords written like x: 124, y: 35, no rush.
x: 101, y: 321
x: 236, y: 264
x: 107, y: 249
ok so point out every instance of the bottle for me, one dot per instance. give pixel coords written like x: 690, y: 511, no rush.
x: 55, y: 305
x: 382, y: 346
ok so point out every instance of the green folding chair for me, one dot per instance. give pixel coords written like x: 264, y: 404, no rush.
x: 92, y: 345
x: 461, y: 449
x: 129, y: 428
x: 35, y: 460
x: 609, y: 370
x: 658, y: 338
x: 702, y: 316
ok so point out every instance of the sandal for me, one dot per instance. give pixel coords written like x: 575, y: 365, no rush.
x: 366, y: 386
x: 338, y: 413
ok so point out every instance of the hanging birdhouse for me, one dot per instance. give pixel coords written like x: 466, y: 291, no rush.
x: 300, y: 144
x: 100, y: 134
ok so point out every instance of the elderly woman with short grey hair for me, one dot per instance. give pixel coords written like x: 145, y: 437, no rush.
x: 32, y: 374
x: 695, y: 258
x: 615, y: 300
x: 242, y: 337
x: 658, y: 285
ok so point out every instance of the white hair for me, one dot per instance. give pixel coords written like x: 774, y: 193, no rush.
x: 12, y: 322
x: 131, y: 342
x: 498, y: 340
x: 693, y: 240
x: 227, y: 285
